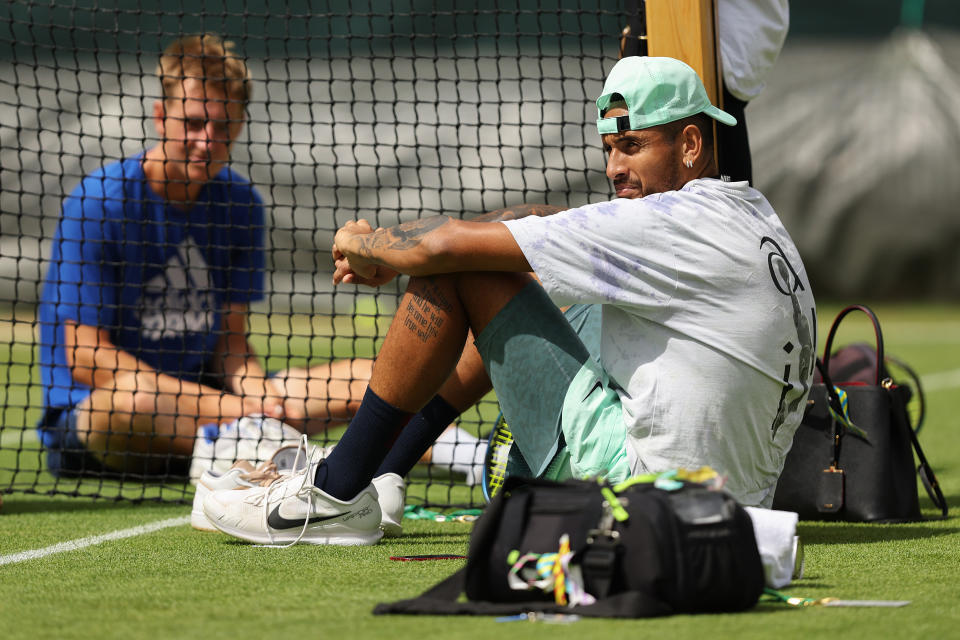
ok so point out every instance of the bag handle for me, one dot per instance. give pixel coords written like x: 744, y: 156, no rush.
x: 876, y: 330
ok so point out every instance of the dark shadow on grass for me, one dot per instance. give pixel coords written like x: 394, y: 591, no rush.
x: 417, y: 538
x: 853, y: 533
x: 769, y: 607
x: 427, y: 536
x: 951, y: 498
x: 235, y: 542
x: 803, y: 585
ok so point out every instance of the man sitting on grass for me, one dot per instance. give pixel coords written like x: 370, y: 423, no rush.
x: 143, y: 316
x: 144, y: 311
x: 695, y: 346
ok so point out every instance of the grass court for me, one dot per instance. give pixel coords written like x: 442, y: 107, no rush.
x: 88, y: 568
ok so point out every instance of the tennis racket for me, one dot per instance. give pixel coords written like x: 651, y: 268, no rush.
x: 495, y: 461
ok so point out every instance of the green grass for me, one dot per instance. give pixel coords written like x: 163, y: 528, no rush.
x: 178, y: 582
x: 285, y: 341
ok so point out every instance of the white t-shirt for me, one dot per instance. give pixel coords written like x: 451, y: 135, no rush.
x: 708, y: 324
x: 751, y: 34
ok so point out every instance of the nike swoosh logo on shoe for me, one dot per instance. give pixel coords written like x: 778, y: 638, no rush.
x: 277, y: 521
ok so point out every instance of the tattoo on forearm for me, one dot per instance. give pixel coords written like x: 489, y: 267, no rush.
x: 519, y: 211
x: 400, y: 238
x: 426, y: 309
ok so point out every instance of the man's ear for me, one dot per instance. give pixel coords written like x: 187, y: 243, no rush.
x: 691, y: 143
x: 159, y: 118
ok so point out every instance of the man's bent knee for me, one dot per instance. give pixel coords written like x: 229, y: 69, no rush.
x: 485, y: 293
x: 105, y: 413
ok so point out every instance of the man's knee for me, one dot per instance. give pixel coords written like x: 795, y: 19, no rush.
x: 121, y: 409
x: 492, y: 283
x: 485, y: 293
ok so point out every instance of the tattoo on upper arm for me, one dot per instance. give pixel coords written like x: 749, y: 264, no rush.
x: 519, y: 211
x: 402, y: 237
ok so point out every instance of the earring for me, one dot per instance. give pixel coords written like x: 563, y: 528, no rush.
x: 688, y: 164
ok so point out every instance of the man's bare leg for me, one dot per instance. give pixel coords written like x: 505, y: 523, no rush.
x: 469, y: 381
x: 419, y: 356
x: 434, y: 423
x: 113, y: 423
x: 427, y: 336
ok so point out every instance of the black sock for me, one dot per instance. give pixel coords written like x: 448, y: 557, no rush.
x: 419, y: 434
x: 351, y: 464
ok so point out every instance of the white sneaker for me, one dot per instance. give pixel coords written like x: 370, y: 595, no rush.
x: 461, y: 452
x: 243, y: 475
x: 391, y: 492
x: 252, y: 438
x: 292, y: 510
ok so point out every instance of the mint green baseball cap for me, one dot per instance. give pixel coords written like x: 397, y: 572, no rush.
x: 657, y: 91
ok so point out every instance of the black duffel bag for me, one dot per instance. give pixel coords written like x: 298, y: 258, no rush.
x: 642, y: 552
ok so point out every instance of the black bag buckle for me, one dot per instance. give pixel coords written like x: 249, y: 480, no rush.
x: 599, y: 558
x: 605, y: 527
x: 598, y: 563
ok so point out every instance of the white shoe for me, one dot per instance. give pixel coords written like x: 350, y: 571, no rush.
x: 243, y: 475
x: 461, y: 452
x: 291, y: 510
x: 473, y: 474
x: 391, y: 492
x: 252, y: 438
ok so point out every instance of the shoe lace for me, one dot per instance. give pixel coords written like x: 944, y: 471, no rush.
x: 303, y: 488
x: 264, y: 475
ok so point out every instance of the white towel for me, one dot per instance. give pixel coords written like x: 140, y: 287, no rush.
x: 779, y: 544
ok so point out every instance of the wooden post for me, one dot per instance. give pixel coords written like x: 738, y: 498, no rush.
x: 687, y: 30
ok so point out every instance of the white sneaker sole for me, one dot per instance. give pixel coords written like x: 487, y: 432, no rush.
x: 391, y: 529
x: 391, y: 495
x: 198, y: 519
x: 200, y: 522
x: 344, y: 539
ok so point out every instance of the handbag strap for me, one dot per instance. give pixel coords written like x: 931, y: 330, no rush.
x: 916, y: 388
x: 876, y: 330
x: 927, y: 477
x: 833, y: 399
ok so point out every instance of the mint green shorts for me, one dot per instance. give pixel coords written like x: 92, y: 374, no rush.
x: 564, y: 412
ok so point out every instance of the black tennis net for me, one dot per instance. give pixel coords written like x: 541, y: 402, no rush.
x: 382, y: 110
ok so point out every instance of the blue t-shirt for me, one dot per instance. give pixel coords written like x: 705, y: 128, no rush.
x: 156, y: 277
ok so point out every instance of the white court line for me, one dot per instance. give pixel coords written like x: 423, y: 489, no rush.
x: 941, y: 380
x: 80, y: 543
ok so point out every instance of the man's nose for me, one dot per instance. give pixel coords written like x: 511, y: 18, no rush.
x: 209, y: 134
x: 615, y: 166
x: 199, y: 136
